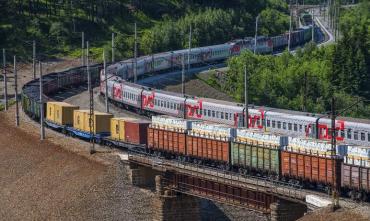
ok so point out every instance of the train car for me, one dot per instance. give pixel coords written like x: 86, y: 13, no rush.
x: 163, y: 103
x: 312, y: 169
x: 253, y: 157
x: 355, y: 180
x: 279, y: 42
x: 215, y: 111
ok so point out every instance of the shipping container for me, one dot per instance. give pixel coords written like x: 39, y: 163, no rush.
x: 81, y: 121
x: 322, y: 147
x: 136, y: 131
x: 314, y: 168
x: 355, y: 177
x: 256, y: 135
x: 172, y: 123
x: 167, y: 141
x: 256, y: 156
x: 60, y: 112
x: 117, y: 129
x: 206, y: 148
x: 212, y: 131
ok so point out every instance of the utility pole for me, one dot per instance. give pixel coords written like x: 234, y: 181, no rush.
x: 335, y: 191
x: 255, y: 36
x: 112, y: 47
x: 183, y: 75
x: 189, y: 51
x: 5, y: 81
x: 34, y: 58
x: 305, y: 91
x: 91, y: 115
x: 105, y: 82
x: 87, y: 66
x: 16, y: 92
x: 83, y: 48
x: 42, y: 129
x: 313, y: 27
x: 246, y: 117
x: 290, y: 25
x: 135, y: 53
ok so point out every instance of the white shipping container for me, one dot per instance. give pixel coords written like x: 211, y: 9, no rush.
x: 213, y: 129
x: 260, y: 136
x: 172, y: 122
x: 359, y: 151
x: 357, y: 161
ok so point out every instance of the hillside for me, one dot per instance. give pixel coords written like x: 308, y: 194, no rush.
x: 56, y: 26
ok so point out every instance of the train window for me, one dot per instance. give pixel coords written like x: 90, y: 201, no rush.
x: 168, y: 104
x: 217, y: 114
x: 171, y: 106
x: 342, y: 133
x: 368, y: 136
x: 289, y: 126
x: 205, y: 112
x: 222, y: 115
x: 268, y: 123
x: 162, y: 103
x: 362, y: 136
x: 355, y: 135
x: 201, y: 111
x: 284, y: 125
x: 226, y: 116
x: 349, y: 134
x: 295, y: 127
x: 273, y: 124
x: 279, y: 124
x: 300, y: 128
x: 213, y: 113
x: 209, y: 113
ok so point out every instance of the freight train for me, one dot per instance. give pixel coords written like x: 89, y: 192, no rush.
x: 246, y: 151
x: 150, y: 101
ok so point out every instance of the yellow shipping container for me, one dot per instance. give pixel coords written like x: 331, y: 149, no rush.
x: 60, y: 112
x: 50, y: 111
x: 79, y: 117
x: 101, y: 121
x: 117, y: 129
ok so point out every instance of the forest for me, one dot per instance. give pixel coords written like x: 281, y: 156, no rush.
x: 308, y: 80
x: 56, y: 25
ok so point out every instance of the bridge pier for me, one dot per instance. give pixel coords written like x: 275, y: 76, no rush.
x: 283, y: 210
x: 169, y: 205
x: 141, y: 176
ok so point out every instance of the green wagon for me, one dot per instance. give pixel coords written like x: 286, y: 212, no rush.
x: 256, y: 157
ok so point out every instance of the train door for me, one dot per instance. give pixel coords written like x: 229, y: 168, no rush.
x: 239, y: 119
